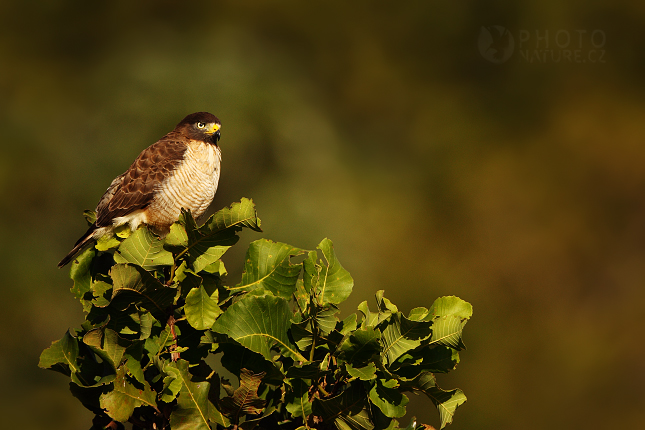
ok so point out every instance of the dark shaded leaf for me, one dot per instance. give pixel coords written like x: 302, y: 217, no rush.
x: 348, y: 410
x: 132, y: 284
x: 107, y: 345
x: 445, y: 401
x: 361, y: 346
x: 245, y: 399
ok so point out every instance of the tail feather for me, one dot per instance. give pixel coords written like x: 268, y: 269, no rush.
x: 80, y: 244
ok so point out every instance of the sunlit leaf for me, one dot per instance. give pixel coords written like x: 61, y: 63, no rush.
x: 240, y: 214
x: 387, y: 398
x: 61, y: 356
x: 332, y: 283
x: 268, y: 265
x: 449, y: 316
x: 127, y: 395
x: 143, y: 249
x: 192, y: 402
x: 80, y: 272
x: 297, y: 400
x: 259, y: 323
x: 401, y: 335
x: 365, y: 373
x: 445, y: 401
x: 201, y: 310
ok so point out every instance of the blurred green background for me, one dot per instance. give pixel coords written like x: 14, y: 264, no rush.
x: 517, y: 186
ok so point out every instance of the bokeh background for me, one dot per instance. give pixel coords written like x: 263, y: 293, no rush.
x: 517, y: 186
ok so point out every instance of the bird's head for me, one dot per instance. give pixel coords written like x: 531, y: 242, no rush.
x: 202, y: 126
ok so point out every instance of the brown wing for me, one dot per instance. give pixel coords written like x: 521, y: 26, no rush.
x: 135, y: 188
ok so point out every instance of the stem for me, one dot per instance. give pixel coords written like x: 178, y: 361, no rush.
x: 313, y: 344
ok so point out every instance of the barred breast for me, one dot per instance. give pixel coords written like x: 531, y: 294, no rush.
x: 192, y: 186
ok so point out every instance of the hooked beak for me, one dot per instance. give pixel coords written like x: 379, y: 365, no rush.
x: 216, y: 136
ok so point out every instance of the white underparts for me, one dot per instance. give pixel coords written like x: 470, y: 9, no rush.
x: 192, y: 185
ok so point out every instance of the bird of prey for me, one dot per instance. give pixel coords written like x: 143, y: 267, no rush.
x: 180, y: 170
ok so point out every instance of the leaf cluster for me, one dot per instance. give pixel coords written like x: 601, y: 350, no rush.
x: 158, y: 310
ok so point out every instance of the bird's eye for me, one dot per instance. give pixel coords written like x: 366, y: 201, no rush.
x: 201, y: 125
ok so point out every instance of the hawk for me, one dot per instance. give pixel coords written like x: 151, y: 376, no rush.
x: 180, y: 170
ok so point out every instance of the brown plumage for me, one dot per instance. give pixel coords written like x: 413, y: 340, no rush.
x: 181, y: 170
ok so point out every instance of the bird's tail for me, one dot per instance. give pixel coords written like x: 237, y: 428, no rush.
x: 82, y: 242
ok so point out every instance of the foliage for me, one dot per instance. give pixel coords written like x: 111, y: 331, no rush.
x: 158, y: 309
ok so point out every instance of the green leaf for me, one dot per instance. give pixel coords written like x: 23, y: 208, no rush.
x: 436, y: 359
x: 259, y: 323
x: 245, y: 399
x: 268, y: 265
x: 365, y: 373
x: 127, y: 395
x: 201, y: 311
x: 361, y: 346
x: 90, y: 216
x: 445, y: 401
x: 192, y: 410
x: 387, y: 398
x: 297, y: 400
x: 107, y: 345
x: 332, y: 283
x: 206, y: 250
x: 106, y: 242
x: 348, y: 410
x: 326, y: 319
x: 61, y: 356
x: 134, y: 368
x: 187, y: 279
x: 171, y: 388
x: 177, y: 239
x: 207, y: 244
x: 309, y: 370
x: 143, y: 249
x: 240, y: 214
x: 102, y: 292
x: 401, y: 335
x: 236, y: 357
x: 384, y: 304
x: 132, y: 284
x: 449, y: 316
x: 373, y: 319
x: 80, y: 272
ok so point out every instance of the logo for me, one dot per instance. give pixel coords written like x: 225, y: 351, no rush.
x: 496, y: 44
